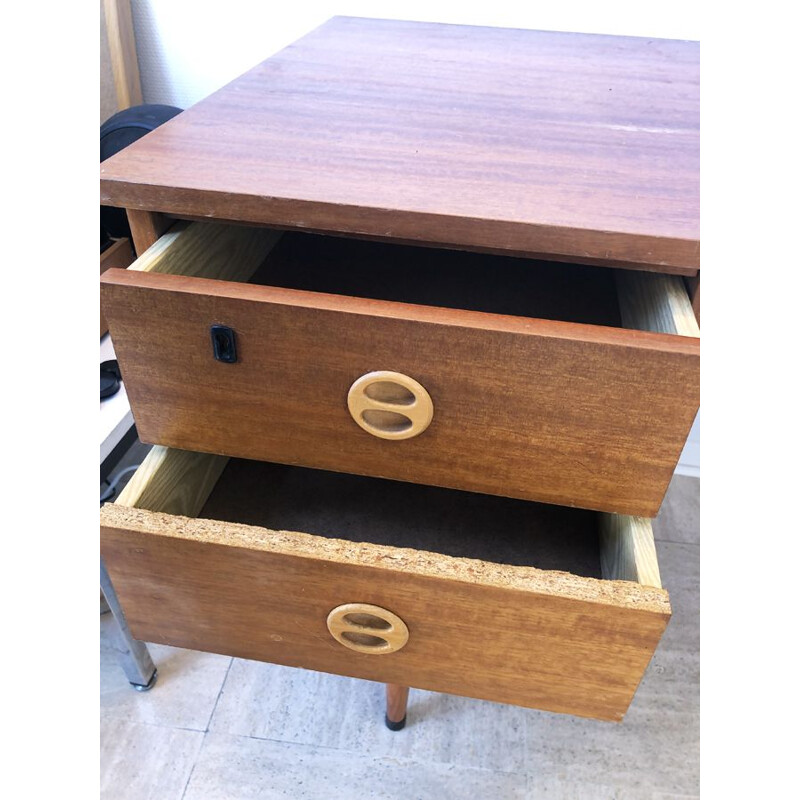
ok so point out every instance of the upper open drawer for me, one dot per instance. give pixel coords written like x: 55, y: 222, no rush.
x: 571, y: 385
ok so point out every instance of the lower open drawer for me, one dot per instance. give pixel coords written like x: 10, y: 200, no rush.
x: 488, y: 597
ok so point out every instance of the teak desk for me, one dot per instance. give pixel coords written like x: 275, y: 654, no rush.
x: 412, y: 328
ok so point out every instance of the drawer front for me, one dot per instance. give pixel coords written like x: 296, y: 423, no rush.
x: 517, y: 635
x: 564, y: 413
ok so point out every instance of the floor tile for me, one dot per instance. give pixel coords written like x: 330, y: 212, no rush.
x: 184, y: 696
x: 293, y: 705
x: 243, y: 768
x: 145, y: 762
x: 559, y: 789
x: 636, y: 758
x: 656, y: 747
x: 668, y: 796
x: 679, y: 518
x: 675, y: 667
x: 556, y: 788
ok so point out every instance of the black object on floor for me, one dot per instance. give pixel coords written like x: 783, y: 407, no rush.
x: 395, y: 726
x: 110, y: 378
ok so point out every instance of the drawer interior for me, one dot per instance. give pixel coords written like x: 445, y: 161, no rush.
x: 397, y: 514
x: 507, y: 285
x: 445, y: 278
x: 393, y: 516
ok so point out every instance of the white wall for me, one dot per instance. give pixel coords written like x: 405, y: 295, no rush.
x: 689, y: 463
x: 189, y: 48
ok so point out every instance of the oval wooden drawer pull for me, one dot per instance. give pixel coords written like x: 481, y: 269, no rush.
x: 390, y: 405
x: 367, y: 629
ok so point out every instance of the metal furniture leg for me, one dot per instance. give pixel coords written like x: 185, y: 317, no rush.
x: 133, y: 655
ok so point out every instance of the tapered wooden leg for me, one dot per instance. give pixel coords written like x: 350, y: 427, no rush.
x: 396, y: 704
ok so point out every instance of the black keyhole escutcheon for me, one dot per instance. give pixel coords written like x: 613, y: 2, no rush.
x: 223, y: 341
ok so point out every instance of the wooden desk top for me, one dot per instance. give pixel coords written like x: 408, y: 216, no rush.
x: 575, y: 146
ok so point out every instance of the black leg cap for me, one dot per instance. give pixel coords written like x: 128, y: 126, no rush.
x: 395, y: 726
x: 146, y: 687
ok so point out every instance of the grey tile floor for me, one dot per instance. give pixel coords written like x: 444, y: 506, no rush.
x: 217, y: 727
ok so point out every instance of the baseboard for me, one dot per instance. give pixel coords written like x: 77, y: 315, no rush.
x: 689, y: 462
x: 689, y: 470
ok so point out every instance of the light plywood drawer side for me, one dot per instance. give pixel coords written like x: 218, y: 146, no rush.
x: 559, y: 383
x: 506, y: 600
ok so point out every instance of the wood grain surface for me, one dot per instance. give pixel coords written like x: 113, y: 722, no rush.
x: 693, y: 287
x: 518, y: 635
x: 543, y: 410
x: 576, y: 146
x: 658, y: 303
x: 628, y: 550
x: 173, y: 481
x: 223, y: 252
